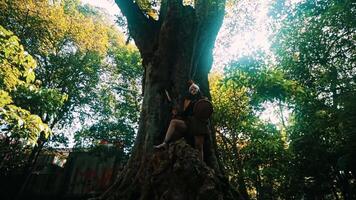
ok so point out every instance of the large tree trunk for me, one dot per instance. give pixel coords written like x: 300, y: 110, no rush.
x: 174, y: 49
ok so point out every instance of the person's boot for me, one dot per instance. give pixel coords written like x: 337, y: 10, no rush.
x: 161, y: 146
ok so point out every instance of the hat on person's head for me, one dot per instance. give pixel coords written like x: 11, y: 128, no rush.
x: 190, y: 82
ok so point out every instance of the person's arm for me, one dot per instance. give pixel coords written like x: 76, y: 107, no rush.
x: 186, y: 104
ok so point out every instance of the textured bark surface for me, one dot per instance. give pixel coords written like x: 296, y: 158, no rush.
x: 176, y: 173
x: 174, y: 49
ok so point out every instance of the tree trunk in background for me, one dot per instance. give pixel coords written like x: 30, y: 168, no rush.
x: 174, y: 49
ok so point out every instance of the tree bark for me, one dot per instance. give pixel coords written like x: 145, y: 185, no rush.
x: 175, y: 48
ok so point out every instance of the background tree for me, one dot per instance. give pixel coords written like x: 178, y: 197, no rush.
x: 254, y: 152
x: 54, y: 33
x: 71, y: 43
x: 314, y: 47
x: 74, y: 46
x: 68, y: 46
x: 20, y: 128
x: 310, y: 73
x: 118, y: 102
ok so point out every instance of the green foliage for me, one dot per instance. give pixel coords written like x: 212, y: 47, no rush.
x: 149, y: 7
x: 17, y: 68
x: 43, y: 102
x: 20, y: 127
x: 265, y: 159
x: 314, y: 47
x: 52, y: 27
x: 312, y: 72
x: 265, y: 83
x: 17, y: 71
x: 254, y: 153
x: 118, y: 102
x: 69, y: 46
x: 82, y: 55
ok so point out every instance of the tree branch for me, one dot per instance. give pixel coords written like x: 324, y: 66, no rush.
x: 167, y: 5
x: 210, y: 9
x: 141, y: 27
x: 209, y: 15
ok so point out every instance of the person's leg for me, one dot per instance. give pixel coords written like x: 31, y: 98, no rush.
x: 199, y: 144
x: 175, y: 130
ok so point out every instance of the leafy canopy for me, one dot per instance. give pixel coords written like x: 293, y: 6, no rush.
x: 16, y: 69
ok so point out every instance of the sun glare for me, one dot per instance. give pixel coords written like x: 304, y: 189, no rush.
x: 109, y: 5
x: 244, y: 32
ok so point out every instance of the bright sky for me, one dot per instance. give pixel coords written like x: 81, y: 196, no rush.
x: 244, y: 31
x: 109, y: 5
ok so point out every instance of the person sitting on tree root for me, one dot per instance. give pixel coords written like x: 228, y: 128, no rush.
x: 189, y: 122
